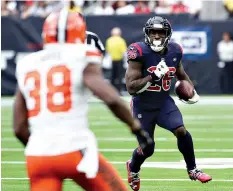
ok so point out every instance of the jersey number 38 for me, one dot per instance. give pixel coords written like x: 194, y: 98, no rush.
x: 51, y: 89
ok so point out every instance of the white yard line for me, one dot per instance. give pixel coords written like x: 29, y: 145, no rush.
x: 12, y: 162
x: 149, y: 179
x: 205, y: 100
x: 216, y: 161
x: 170, y: 150
x: 14, y: 178
x: 103, y: 129
x: 161, y: 179
x: 203, y: 163
x: 162, y: 139
x: 96, y: 120
x: 130, y: 150
x: 198, y: 130
x: 132, y: 139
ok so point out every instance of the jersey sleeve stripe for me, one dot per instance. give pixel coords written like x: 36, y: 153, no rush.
x: 138, y: 48
x: 94, y: 59
x: 93, y: 53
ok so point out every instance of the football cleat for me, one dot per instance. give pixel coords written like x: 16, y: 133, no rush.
x: 197, y: 174
x: 133, y: 178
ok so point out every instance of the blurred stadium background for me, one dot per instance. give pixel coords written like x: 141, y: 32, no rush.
x: 199, y: 26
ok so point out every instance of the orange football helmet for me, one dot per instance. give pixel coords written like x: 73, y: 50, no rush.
x: 64, y: 27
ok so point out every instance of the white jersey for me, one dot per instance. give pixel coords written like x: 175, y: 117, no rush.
x: 51, y: 81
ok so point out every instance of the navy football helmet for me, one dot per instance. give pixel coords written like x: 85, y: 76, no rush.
x: 157, y: 23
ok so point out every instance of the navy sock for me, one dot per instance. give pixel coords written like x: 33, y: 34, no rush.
x: 185, y: 145
x: 137, y: 159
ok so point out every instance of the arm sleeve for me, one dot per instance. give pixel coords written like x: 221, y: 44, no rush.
x: 93, y: 55
x: 134, y: 53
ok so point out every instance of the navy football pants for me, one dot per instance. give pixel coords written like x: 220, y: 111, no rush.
x: 167, y: 116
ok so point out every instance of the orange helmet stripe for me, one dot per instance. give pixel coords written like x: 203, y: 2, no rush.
x: 93, y: 53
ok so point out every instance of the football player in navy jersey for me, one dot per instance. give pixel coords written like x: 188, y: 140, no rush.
x: 151, y: 66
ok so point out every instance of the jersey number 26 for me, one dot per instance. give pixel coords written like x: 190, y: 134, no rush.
x: 166, y: 80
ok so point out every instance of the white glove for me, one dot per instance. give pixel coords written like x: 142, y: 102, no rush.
x: 192, y: 100
x: 161, y: 70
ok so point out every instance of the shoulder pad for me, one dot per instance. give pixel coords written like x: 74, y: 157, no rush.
x: 92, y: 37
x: 177, y: 49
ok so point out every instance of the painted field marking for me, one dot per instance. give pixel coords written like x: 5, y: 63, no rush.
x: 130, y: 150
x: 107, y: 130
x: 151, y: 179
x: 198, y: 130
x: 95, y: 120
x: 205, y: 100
x: 206, y: 163
x: 132, y: 139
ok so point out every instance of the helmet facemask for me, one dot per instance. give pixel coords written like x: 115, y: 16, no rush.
x: 160, y: 39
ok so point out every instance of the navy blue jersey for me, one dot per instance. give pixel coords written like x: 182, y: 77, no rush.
x: 142, y: 53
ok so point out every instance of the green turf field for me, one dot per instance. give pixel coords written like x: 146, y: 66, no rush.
x: 211, y: 127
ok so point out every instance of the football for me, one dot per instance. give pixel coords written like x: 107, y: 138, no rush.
x: 184, y: 90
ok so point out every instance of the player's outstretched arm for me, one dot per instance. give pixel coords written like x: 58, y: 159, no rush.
x: 134, y: 81
x: 93, y: 79
x: 20, y: 118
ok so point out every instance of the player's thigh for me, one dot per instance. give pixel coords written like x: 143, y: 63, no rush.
x: 107, y: 179
x: 45, y: 184
x: 146, y: 118
x: 170, y: 117
x: 41, y: 176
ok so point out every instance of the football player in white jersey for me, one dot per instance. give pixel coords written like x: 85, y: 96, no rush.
x: 51, y: 110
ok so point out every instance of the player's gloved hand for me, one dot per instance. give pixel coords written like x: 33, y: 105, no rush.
x: 161, y: 70
x: 144, y: 136
x: 192, y: 100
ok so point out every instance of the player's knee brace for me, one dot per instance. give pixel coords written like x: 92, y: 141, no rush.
x: 149, y: 150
